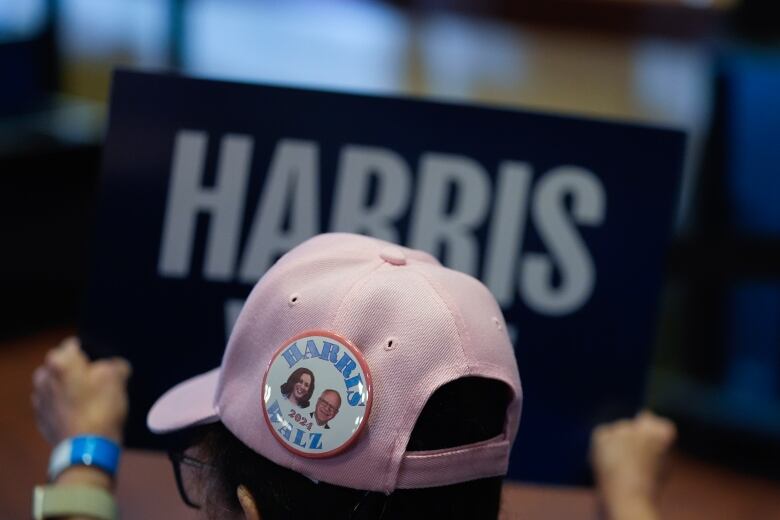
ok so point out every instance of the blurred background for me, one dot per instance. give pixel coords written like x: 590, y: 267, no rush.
x: 710, y: 67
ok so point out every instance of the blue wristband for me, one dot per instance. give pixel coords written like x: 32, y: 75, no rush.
x: 85, y: 450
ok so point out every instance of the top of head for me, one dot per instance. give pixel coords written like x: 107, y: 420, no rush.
x: 418, y: 326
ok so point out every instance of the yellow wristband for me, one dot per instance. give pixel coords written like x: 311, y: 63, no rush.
x: 72, y: 500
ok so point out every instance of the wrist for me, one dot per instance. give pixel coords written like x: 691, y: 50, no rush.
x: 85, y: 475
x: 630, y: 507
x: 115, y: 435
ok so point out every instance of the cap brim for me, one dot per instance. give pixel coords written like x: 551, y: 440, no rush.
x: 189, y: 403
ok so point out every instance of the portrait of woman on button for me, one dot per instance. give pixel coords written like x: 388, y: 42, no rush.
x: 299, y: 387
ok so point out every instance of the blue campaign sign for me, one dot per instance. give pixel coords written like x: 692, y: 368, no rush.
x: 566, y: 220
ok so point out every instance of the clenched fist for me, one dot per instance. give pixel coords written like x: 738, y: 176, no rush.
x: 75, y: 396
x: 627, y: 458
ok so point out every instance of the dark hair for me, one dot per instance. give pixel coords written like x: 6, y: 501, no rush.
x: 442, y: 424
x: 287, y: 387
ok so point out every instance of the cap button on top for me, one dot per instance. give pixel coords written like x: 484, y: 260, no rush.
x: 393, y: 255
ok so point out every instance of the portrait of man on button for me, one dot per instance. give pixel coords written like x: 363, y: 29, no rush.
x: 327, y: 407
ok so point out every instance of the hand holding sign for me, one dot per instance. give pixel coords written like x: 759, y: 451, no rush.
x: 627, y: 457
x: 74, y: 396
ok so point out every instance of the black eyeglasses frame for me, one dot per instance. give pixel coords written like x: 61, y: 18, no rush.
x: 178, y: 458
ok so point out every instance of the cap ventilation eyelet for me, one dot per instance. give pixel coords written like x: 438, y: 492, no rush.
x: 294, y: 298
x: 390, y: 343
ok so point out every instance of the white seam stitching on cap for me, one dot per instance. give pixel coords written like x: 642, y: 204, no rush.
x: 493, y: 443
x: 407, y: 417
x: 498, y: 376
x: 485, y: 473
x: 417, y: 411
x: 492, y: 448
x: 391, y: 479
x: 453, y: 313
x: 360, y: 281
x: 412, y: 410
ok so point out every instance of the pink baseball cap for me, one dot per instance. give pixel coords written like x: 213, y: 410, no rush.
x: 334, y: 355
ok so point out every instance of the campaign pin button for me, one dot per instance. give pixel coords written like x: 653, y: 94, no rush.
x: 317, y: 394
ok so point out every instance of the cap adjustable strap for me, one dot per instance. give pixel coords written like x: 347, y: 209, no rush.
x: 453, y: 465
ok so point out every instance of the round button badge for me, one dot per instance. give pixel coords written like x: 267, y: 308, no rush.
x: 317, y: 394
